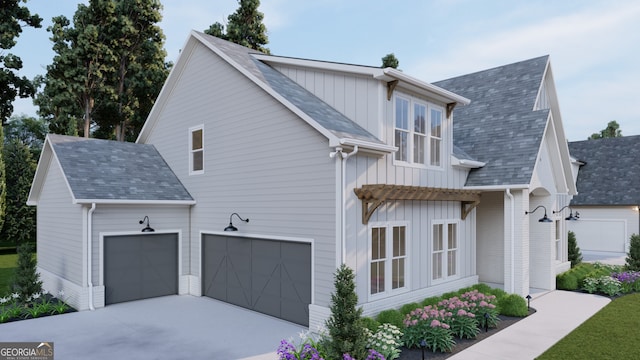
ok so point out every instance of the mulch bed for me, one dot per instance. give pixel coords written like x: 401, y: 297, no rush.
x: 461, y: 344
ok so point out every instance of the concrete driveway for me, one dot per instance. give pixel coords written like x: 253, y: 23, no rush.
x: 171, y: 327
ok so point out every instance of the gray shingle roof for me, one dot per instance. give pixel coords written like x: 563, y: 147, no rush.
x: 611, y: 175
x: 112, y: 170
x: 499, y: 127
x: 325, y: 115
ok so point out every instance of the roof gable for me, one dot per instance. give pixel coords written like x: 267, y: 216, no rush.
x: 611, y: 171
x: 105, y: 171
x: 501, y: 126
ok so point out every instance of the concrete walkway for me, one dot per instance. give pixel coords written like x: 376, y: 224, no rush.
x: 170, y: 327
x: 557, y: 314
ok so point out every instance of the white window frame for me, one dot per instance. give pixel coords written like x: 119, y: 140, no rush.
x: 444, y: 267
x: 388, y: 259
x: 430, y: 138
x: 192, y: 151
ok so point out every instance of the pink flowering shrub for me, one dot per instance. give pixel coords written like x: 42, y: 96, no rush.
x: 428, y: 327
x: 463, y: 320
x: 483, y: 307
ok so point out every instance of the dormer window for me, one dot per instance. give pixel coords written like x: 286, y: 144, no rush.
x: 418, y: 132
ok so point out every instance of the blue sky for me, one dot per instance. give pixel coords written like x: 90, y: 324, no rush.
x: 594, y: 45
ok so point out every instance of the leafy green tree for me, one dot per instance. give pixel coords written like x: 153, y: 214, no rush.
x: 108, y: 69
x: 633, y: 256
x: 612, y: 130
x: 391, y: 61
x: 26, y: 278
x: 20, y: 220
x: 13, y: 17
x: 346, y: 328
x: 575, y: 255
x: 29, y: 130
x: 244, y: 27
x: 3, y: 184
x: 140, y: 69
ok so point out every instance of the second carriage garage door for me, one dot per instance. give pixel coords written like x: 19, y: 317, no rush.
x: 140, y: 266
x: 269, y: 276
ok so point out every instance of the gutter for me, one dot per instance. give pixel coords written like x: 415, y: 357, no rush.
x: 90, y: 254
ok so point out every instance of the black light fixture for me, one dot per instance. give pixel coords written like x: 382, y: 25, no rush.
x: 544, y: 218
x: 570, y: 217
x: 528, y: 302
x: 146, y: 228
x: 231, y: 227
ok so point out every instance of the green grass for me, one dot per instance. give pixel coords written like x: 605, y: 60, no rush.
x: 612, y: 333
x: 7, y: 266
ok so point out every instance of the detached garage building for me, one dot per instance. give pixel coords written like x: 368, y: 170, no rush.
x: 91, y: 195
x: 608, y: 197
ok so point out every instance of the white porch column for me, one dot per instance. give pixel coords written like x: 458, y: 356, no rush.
x: 516, y: 243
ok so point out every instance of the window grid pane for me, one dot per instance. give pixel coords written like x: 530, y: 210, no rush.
x: 398, y: 273
x: 198, y: 160
x: 451, y: 263
x: 435, y: 151
x: 402, y: 144
x: 196, y: 140
x: 420, y: 119
x: 377, y: 277
x: 452, y: 237
x: 437, y: 266
x: 419, y: 148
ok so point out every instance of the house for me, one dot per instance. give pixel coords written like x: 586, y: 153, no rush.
x: 328, y: 163
x: 608, y: 199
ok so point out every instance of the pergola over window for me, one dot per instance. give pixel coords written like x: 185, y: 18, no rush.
x: 373, y: 196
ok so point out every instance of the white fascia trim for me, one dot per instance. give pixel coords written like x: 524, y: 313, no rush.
x: 134, y: 202
x: 319, y: 64
x: 396, y: 74
x: 497, y: 187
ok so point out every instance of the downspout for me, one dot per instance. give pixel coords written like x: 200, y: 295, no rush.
x: 343, y: 197
x: 513, y: 235
x: 90, y: 254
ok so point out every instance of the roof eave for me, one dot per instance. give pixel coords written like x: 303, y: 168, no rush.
x: 438, y: 92
x: 132, y: 202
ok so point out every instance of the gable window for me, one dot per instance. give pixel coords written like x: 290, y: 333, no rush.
x: 196, y: 150
x: 444, y: 250
x: 388, y: 258
x: 418, y: 132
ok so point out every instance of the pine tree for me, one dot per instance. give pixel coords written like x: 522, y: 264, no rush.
x: 633, y: 256
x: 20, y: 219
x: 390, y: 60
x: 346, y: 329
x: 575, y: 255
x: 26, y: 279
x: 244, y: 27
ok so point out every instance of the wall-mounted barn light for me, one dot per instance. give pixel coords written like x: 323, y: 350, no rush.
x: 146, y: 228
x: 231, y: 227
x: 544, y: 218
x: 570, y: 217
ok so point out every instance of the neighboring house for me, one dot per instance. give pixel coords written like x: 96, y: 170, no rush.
x: 608, y: 196
x: 331, y: 163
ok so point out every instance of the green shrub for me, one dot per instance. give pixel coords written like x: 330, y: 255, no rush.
x: 370, y: 323
x: 566, y: 281
x: 633, y: 256
x: 450, y: 294
x: 498, y: 293
x: 513, y: 305
x: 407, y: 308
x: 391, y: 316
x: 434, y: 300
x: 483, y: 288
x: 575, y: 256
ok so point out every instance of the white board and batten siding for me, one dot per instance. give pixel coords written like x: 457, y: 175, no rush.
x: 260, y: 161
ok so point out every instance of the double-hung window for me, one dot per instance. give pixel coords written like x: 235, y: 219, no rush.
x: 444, y: 250
x: 418, y: 132
x: 196, y: 150
x: 388, y: 258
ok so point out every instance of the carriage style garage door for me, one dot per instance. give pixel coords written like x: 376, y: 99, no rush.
x: 140, y: 266
x: 269, y: 276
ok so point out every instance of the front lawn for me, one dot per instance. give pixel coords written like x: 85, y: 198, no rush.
x: 7, y: 266
x: 612, y: 333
